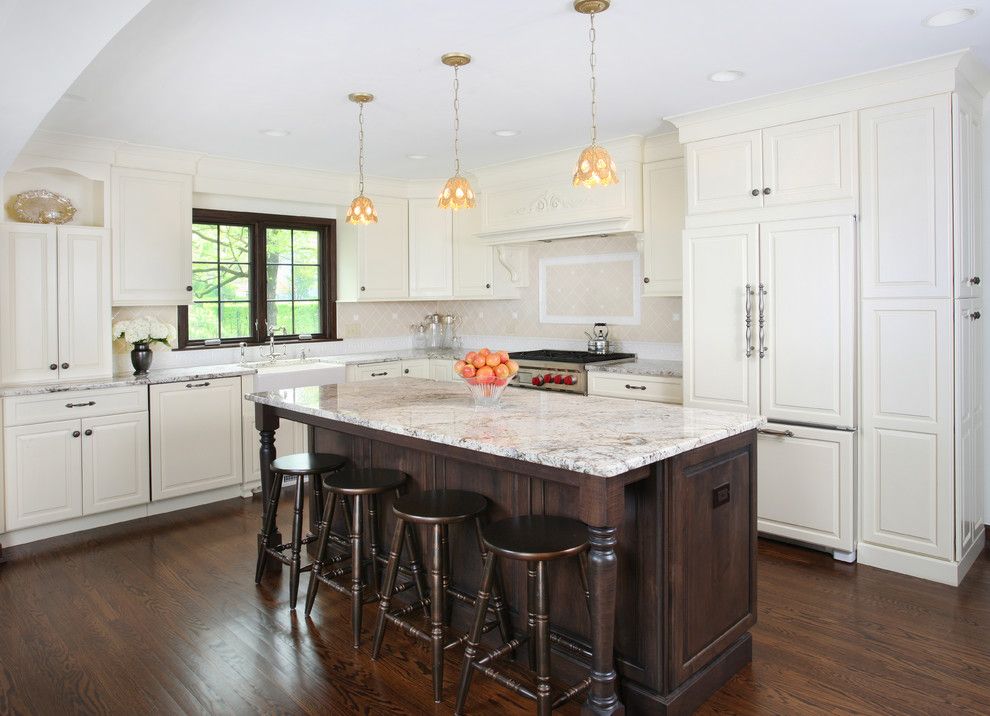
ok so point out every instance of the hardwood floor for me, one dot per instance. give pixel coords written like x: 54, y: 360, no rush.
x: 163, y: 616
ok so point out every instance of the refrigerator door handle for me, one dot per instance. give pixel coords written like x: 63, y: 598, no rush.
x: 749, y: 320
x: 763, y: 320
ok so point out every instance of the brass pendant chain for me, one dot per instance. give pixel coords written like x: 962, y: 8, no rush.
x: 594, y: 106
x: 457, y: 124
x: 361, y: 148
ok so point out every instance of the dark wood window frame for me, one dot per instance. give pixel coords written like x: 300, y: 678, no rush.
x: 259, y: 223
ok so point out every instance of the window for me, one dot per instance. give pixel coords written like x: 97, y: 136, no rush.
x: 256, y: 272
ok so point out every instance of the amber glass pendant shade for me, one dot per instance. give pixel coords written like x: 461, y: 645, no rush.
x: 457, y: 194
x: 362, y: 211
x: 595, y: 168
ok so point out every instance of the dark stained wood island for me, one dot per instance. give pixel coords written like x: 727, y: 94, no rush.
x: 668, y: 493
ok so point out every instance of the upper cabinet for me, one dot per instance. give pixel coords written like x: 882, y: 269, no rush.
x: 474, y: 261
x: 55, y: 303
x: 373, y: 260
x: 663, y: 223
x: 797, y: 163
x: 430, y: 250
x: 967, y: 196
x: 152, y: 237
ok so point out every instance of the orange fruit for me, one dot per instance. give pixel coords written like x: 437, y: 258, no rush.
x: 479, y: 361
x: 459, y: 366
x: 512, y: 366
x: 470, y: 357
x: 485, y: 373
x: 502, y: 371
x: 468, y: 371
x: 503, y: 356
x: 493, y: 360
x: 484, y: 352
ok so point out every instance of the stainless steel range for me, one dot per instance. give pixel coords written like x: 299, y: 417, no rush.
x: 565, y: 371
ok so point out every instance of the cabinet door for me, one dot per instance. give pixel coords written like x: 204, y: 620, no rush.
x: 805, y: 491
x: 807, y: 293
x: 152, y: 237
x: 84, y: 311
x: 720, y: 310
x: 474, y: 262
x: 723, y: 173
x: 906, y: 199
x: 907, y: 425
x: 970, y: 477
x: 115, y: 470
x: 383, y: 253
x: 430, y: 250
x: 42, y: 473
x: 967, y: 199
x: 810, y: 161
x: 442, y: 370
x: 663, y: 226
x: 195, y: 436
x: 416, y: 368
x: 28, y: 303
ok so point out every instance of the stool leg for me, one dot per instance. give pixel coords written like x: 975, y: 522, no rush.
x: 373, y: 540
x: 321, y: 550
x: 391, y: 572
x: 268, y: 527
x: 448, y: 604
x: 415, y: 562
x: 530, y: 613
x: 357, y: 597
x: 474, y: 639
x: 544, y: 698
x: 437, y: 608
x: 501, y: 611
x: 297, y: 525
x: 318, y: 506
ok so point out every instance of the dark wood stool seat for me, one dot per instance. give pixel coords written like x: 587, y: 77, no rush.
x: 536, y: 540
x: 300, y: 465
x: 438, y: 509
x: 362, y: 486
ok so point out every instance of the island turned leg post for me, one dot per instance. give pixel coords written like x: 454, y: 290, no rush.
x: 266, y: 422
x: 602, y: 572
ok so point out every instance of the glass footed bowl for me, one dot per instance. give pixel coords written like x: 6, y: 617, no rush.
x: 487, y: 392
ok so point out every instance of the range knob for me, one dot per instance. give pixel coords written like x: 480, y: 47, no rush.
x: 538, y: 380
x: 548, y: 378
x: 558, y: 379
x: 568, y: 380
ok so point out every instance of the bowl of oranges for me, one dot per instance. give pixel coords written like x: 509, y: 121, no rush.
x: 486, y: 374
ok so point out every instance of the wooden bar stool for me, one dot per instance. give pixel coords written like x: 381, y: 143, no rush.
x: 357, y: 484
x: 536, y: 540
x: 301, y: 465
x: 438, y: 509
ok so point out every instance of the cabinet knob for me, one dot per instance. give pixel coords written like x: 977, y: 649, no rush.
x: 406, y: 371
x: 65, y: 366
x: 766, y: 190
x: 488, y: 285
x: 755, y: 192
x: 75, y: 433
x: 646, y: 279
x: 975, y: 315
x: 975, y: 281
x: 53, y: 366
x: 189, y: 288
x: 362, y: 288
x: 88, y: 433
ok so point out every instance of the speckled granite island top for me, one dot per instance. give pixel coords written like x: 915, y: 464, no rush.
x: 596, y: 436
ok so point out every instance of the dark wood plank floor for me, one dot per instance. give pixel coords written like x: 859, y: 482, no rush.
x: 162, y: 616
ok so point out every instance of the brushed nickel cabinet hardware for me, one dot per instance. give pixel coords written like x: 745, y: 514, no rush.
x: 379, y: 375
x: 778, y: 433
x: 80, y: 405
x: 197, y: 385
x: 646, y: 279
x: 749, y: 320
x: 766, y: 190
x: 635, y: 387
x: 755, y: 192
x: 763, y: 321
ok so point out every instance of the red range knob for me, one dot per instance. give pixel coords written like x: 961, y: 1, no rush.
x: 537, y: 380
x: 568, y: 380
x: 548, y: 378
x: 558, y: 379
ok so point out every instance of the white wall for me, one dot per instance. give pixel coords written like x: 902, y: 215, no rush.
x: 986, y: 277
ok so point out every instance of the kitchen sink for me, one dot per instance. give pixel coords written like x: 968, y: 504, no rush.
x: 295, y: 373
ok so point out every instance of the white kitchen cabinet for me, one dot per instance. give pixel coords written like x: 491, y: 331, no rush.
x: 806, y: 490
x: 725, y: 173
x: 663, y: 226
x: 373, y: 260
x: 442, y: 369
x: 55, y: 284
x: 969, y: 448
x: 967, y: 197
x: 419, y: 368
x: 195, y: 436
x: 152, y: 237
x: 431, y: 262
x: 43, y: 473
x: 374, y: 371
x: 653, y: 388
x: 906, y: 199
x: 474, y: 261
x: 115, y: 467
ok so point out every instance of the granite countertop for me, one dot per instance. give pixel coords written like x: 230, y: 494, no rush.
x: 398, y: 354
x: 643, y: 366
x: 595, y: 436
x: 165, y: 375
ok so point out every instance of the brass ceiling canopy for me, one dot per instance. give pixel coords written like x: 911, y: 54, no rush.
x: 360, y: 97
x: 591, y: 7
x: 456, y: 59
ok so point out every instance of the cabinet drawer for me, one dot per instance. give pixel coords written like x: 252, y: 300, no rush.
x: 639, y: 387
x: 374, y: 371
x: 28, y: 409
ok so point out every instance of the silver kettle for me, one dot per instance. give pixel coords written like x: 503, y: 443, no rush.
x: 598, y: 339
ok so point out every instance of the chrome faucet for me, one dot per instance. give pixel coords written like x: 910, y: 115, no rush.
x: 272, y: 330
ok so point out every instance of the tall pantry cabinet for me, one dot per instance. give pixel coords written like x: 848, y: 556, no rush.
x: 831, y: 283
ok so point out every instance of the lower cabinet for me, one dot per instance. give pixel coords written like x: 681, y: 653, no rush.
x: 416, y: 368
x: 442, y: 370
x: 805, y: 489
x: 195, y: 436
x: 658, y: 389
x: 114, y: 462
x: 373, y: 371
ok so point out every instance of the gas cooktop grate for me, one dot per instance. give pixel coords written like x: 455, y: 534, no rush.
x: 569, y: 356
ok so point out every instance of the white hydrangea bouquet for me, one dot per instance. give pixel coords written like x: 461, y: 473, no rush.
x: 141, y: 333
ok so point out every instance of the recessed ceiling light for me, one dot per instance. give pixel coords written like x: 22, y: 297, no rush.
x: 506, y: 132
x: 275, y: 132
x: 416, y: 156
x: 950, y: 17
x: 726, y: 76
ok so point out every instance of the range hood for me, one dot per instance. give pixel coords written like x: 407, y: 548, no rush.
x: 609, y: 226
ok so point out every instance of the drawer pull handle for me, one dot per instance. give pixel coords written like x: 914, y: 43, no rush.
x: 635, y: 387
x: 778, y: 433
x: 197, y: 385
x: 88, y: 432
x: 80, y: 405
x: 379, y: 375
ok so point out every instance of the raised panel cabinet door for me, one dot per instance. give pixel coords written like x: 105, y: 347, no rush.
x: 42, y: 473
x: 806, y: 296
x: 28, y: 303
x: 115, y: 471
x: 810, y: 161
x: 383, y: 253
x: 84, y: 310
x: 720, y: 318
x: 725, y: 173
x: 195, y: 436
x: 906, y: 199
x: 474, y: 262
x: 442, y: 370
x: 152, y: 237
x: 970, y: 477
x: 416, y: 368
x: 663, y: 226
x: 967, y: 198
x: 805, y: 490
x: 431, y: 259
x: 906, y: 466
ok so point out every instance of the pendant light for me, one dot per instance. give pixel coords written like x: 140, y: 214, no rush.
x: 457, y: 192
x: 361, y: 210
x: 595, y: 166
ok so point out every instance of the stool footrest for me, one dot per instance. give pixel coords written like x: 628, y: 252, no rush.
x: 570, y: 645
x: 506, y: 648
x: 505, y: 680
x: 568, y: 694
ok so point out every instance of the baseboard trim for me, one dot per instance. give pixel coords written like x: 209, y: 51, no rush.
x: 943, y: 571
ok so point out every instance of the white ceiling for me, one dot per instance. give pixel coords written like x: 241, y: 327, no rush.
x: 207, y: 75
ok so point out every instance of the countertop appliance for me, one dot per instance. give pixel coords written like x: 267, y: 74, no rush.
x: 564, y: 371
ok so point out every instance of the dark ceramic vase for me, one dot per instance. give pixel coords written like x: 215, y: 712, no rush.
x: 141, y: 358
